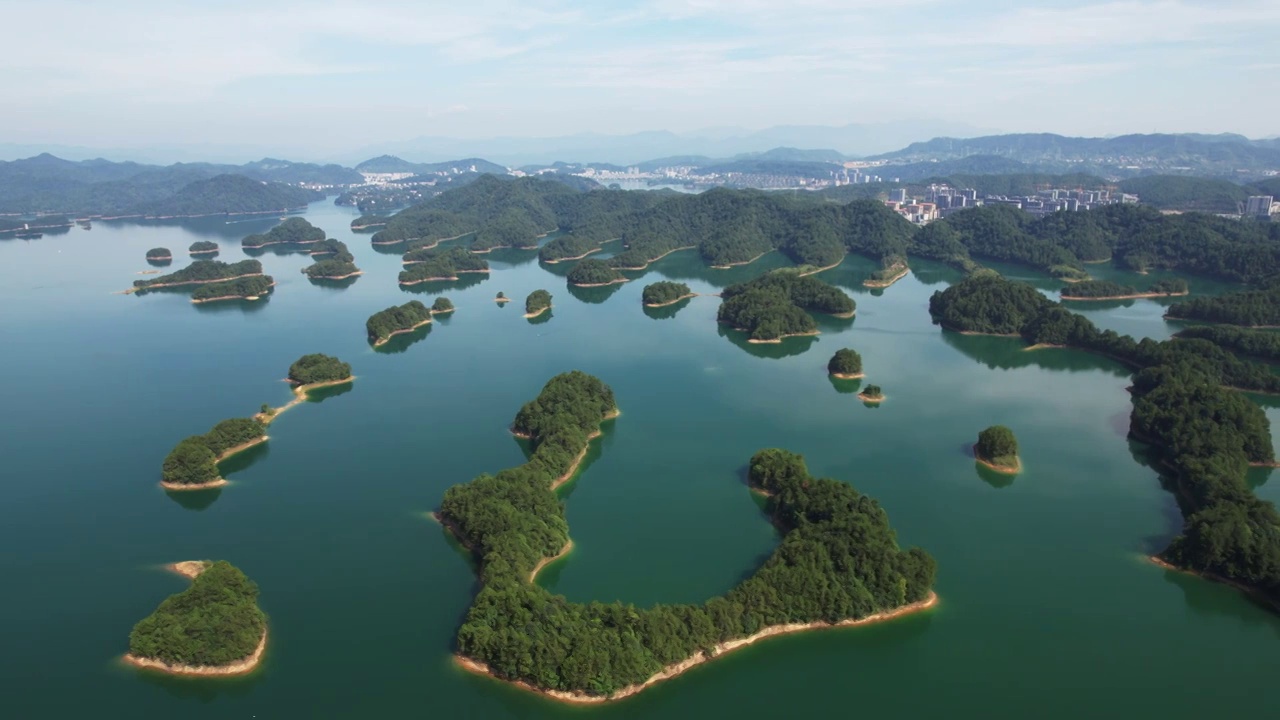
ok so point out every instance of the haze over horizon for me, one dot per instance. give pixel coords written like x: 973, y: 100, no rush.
x: 332, y: 80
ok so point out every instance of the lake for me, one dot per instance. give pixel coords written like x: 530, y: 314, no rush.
x: 1048, y: 608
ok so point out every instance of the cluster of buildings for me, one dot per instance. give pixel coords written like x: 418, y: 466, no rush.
x: 938, y: 201
x: 1261, y: 207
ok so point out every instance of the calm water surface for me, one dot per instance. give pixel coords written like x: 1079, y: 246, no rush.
x: 1048, y: 609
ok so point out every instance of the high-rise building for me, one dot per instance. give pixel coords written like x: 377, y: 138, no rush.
x: 898, y: 195
x: 1258, y: 206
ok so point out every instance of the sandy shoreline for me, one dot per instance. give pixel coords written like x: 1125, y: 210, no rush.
x: 239, y: 667
x: 651, y: 261
x: 864, y: 397
x: 533, y: 574
x: 815, y: 271
x: 214, y: 251
x: 1134, y: 296
x: 1003, y: 470
x: 218, y: 481
x: 502, y: 299
x: 135, y: 289
x: 871, y: 283
x: 726, y: 266
x: 229, y: 297
x: 777, y: 340
x: 672, y: 302
x: 188, y: 568
x: 536, y: 314
x: 333, y: 277
x: 575, y: 257
x: 299, y: 396
x: 619, y: 281
x: 160, y: 258
x: 848, y: 376
x: 700, y: 657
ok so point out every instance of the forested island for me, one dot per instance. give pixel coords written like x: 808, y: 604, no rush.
x: 214, y: 627
x: 1249, y: 308
x: 159, y: 254
x: 442, y: 305
x: 293, y: 231
x: 846, y: 364
x: 385, y: 324
x: 594, y: 273
x: 1205, y: 434
x: 1106, y: 290
x: 203, y: 247
x: 427, y: 265
x: 997, y: 448
x: 201, y: 271
x: 772, y: 307
x: 244, y: 288
x: 193, y: 463
x: 838, y: 563
x: 337, y: 264
x: 871, y: 394
x: 665, y: 292
x: 538, y: 302
x: 319, y: 369
x: 502, y: 298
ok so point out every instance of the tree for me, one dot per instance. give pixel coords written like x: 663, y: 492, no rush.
x: 191, y: 462
x: 442, y: 305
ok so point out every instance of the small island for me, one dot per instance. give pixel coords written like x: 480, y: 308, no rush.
x: 893, y: 269
x: 1107, y: 290
x: 773, y: 307
x: 328, y: 247
x: 245, y: 288
x: 997, y: 449
x: 871, y: 394
x: 396, y: 320
x: 318, y: 369
x: 193, y: 463
x: 846, y: 364
x: 293, y: 231
x: 340, y: 264
x: 214, y: 627
x: 203, y: 247
x: 538, y: 302
x: 594, y: 273
x: 502, y: 298
x: 664, y: 293
x: 159, y: 254
x: 442, y: 305
x: 200, y: 272
x: 430, y: 264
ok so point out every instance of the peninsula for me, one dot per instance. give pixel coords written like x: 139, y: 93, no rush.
x: 200, y: 272
x: 846, y: 364
x: 214, y: 627
x: 784, y: 595
x: 203, y: 247
x: 891, y: 273
x: 293, y: 231
x: 773, y: 306
x: 594, y: 273
x: 997, y: 448
x: 538, y: 302
x: 396, y: 320
x: 665, y: 293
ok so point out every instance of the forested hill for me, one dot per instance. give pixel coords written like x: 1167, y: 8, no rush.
x: 98, y: 187
x: 393, y: 164
x: 231, y: 194
x: 1211, y: 154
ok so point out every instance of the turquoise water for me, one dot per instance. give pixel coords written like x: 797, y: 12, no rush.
x: 1048, y: 608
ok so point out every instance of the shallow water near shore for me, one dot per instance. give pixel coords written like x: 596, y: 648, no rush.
x: 1048, y: 607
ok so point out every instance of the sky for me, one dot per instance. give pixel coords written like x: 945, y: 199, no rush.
x: 325, y: 75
